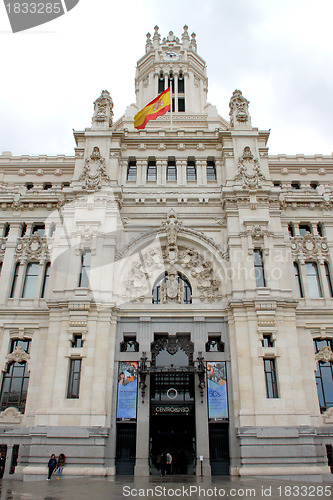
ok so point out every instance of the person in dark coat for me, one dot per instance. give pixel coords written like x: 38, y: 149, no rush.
x: 51, y: 465
x: 163, y: 464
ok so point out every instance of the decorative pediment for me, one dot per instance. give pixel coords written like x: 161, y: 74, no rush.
x: 94, y: 171
x: 309, y: 247
x: 249, y: 172
x: 33, y: 248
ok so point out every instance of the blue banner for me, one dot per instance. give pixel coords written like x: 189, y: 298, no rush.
x: 127, y: 390
x: 217, y: 391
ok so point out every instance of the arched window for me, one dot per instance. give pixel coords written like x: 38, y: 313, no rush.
x: 163, y: 279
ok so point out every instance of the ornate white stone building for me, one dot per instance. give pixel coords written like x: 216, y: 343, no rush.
x: 168, y: 289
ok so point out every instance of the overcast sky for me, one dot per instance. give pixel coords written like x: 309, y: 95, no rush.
x: 278, y: 52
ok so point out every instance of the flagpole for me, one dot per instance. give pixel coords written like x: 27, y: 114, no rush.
x: 170, y: 104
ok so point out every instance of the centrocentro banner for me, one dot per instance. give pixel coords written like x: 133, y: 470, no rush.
x: 217, y: 391
x: 127, y: 390
x: 28, y: 14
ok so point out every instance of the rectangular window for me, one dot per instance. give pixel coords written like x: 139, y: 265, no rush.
x: 304, y: 228
x: 259, y: 268
x: 74, y: 379
x: 151, y: 171
x: 267, y: 340
x: 85, y: 269
x: 16, y: 272
x: 191, y: 172
x: 45, y: 279
x: 328, y: 277
x: 77, y: 341
x: 30, y: 280
x: 38, y: 229
x: 298, y: 280
x: 312, y: 275
x: 181, y: 104
x: 270, y: 378
x: 131, y: 170
x: 171, y: 174
x: 211, y: 170
x: 161, y: 84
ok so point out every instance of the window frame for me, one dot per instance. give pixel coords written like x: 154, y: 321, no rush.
x: 30, y: 280
x: 260, y: 280
x: 85, y: 269
x: 74, y: 378
x: 271, y: 382
x: 317, y: 280
x: 131, y: 175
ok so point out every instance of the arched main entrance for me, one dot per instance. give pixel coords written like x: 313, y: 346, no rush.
x: 172, y: 404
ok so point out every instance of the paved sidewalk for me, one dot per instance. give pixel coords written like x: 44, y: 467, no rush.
x: 122, y: 487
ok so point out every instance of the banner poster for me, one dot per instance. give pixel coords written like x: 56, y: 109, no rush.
x: 217, y: 391
x: 127, y: 390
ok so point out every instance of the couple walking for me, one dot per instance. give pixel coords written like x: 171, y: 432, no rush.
x: 56, y: 464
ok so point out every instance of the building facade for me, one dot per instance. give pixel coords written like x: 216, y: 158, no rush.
x: 167, y: 289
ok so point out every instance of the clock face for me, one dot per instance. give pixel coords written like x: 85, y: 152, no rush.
x: 170, y: 55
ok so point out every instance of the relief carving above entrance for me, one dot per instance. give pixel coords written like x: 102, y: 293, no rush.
x: 174, y: 259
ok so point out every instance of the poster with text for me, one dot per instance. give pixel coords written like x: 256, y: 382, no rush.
x: 127, y: 390
x: 217, y: 391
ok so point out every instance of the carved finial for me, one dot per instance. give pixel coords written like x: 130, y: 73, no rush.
x: 149, y: 44
x: 186, y: 37
x: 103, y: 110
x: 156, y: 37
x: 239, y: 110
x: 193, y: 44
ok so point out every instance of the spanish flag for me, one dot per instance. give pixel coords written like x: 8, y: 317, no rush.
x: 159, y: 106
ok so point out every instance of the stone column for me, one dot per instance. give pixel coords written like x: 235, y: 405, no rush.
x: 161, y: 166
x: 202, y: 435
x: 8, y: 263
x: 201, y: 172
x: 142, y: 428
x: 8, y: 460
x: 141, y: 172
x: 123, y: 172
x: 181, y: 172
